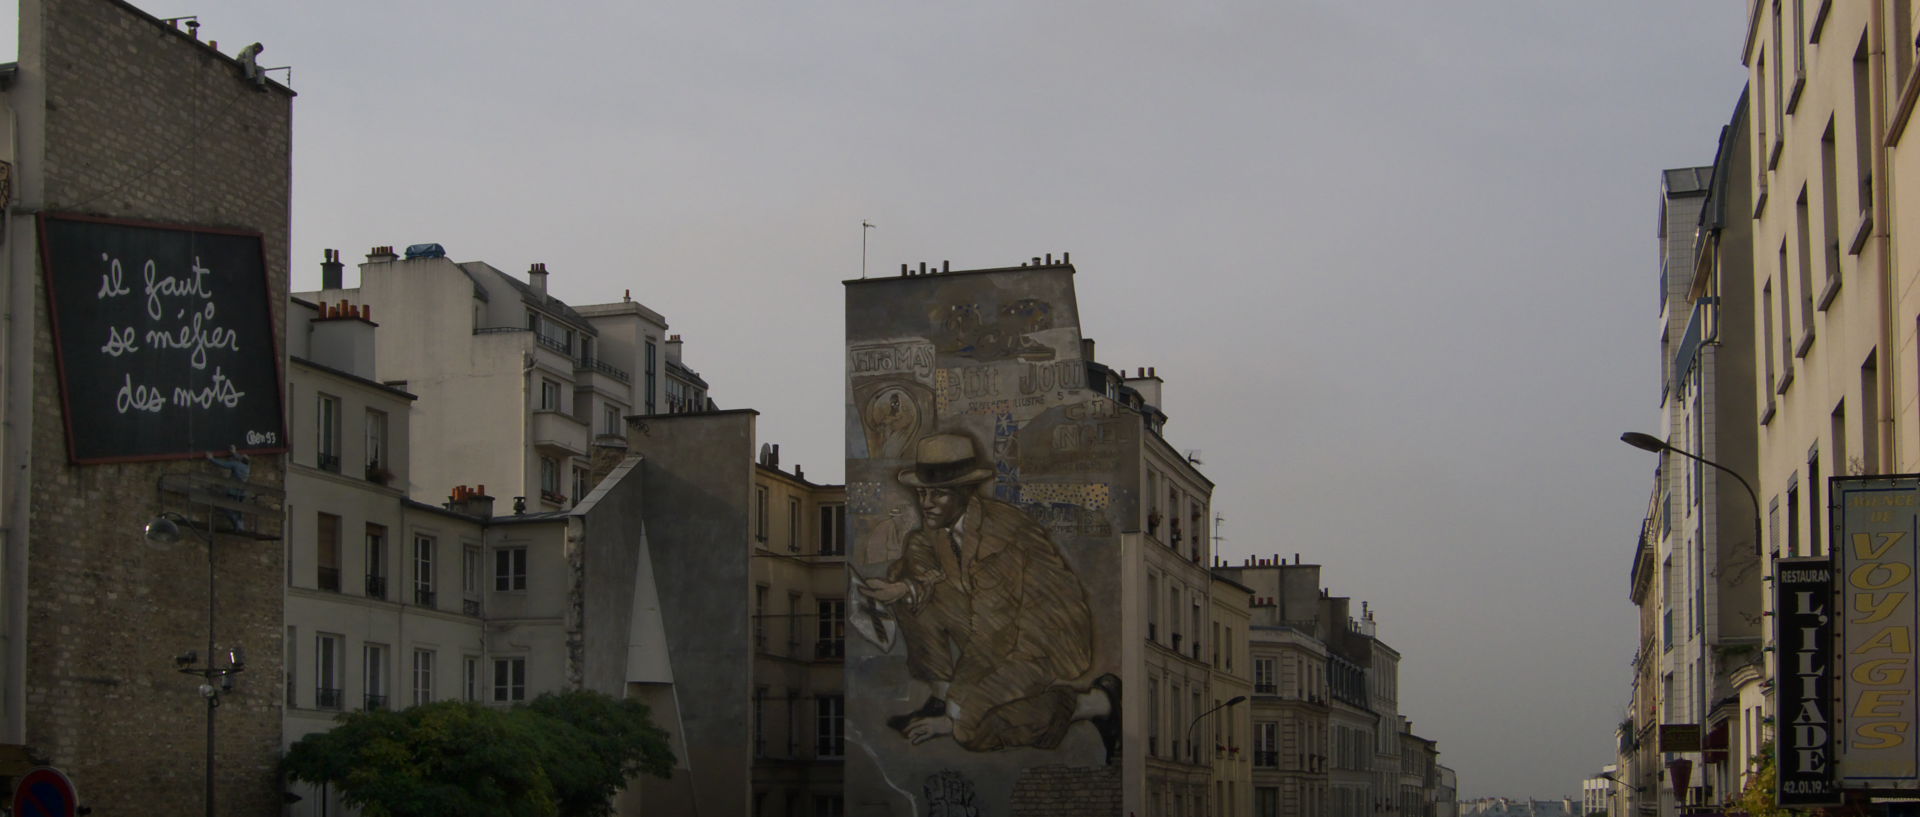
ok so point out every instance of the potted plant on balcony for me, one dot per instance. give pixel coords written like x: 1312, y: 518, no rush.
x: 378, y: 473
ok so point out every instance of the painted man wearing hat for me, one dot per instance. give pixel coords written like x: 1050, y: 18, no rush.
x: 995, y: 621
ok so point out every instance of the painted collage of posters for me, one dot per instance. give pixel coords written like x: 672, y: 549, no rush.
x: 984, y: 562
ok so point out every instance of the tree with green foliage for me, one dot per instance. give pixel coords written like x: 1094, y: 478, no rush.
x: 1757, y: 800
x: 562, y: 755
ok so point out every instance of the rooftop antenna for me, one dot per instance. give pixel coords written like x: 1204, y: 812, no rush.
x: 1193, y: 456
x: 1219, y: 523
x: 865, y: 225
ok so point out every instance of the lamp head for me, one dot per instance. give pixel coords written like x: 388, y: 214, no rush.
x: 1644, y: 442
x: 163, y: 530
x: 1236, y: 700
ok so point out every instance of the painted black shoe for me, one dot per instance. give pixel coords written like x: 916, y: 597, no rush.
x: 933, y: 708
x: 1109, y: 724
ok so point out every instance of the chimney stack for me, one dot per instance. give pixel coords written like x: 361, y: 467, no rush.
x: 330, y: 276
x: 537, y: 277
x: 381, y: 253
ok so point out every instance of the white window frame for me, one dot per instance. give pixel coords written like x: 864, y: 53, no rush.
x: 422, y: 676
x: 510, y: 569
x: 510, y: 679
x: 373, y: 675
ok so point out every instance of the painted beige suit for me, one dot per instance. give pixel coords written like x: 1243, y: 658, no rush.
x: 1004, y: 621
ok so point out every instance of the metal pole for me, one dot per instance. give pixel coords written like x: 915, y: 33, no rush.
x: 213, y: 699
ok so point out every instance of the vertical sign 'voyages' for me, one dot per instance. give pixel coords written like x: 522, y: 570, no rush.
x: 1873, y: 551
x: 164, y: 339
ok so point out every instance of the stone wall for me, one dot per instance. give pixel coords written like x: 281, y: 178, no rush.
x: 143, y: 123
x: 1067, y: 791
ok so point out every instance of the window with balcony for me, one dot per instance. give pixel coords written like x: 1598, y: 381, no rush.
x: 470, y: 581
x: 328, y: 671
x: 760, y: 514
x: 1264, y: 678
x: 378, y: 464
x: 376, y: 561
x: 422, y: 677
x: 509, y: 679
x: 327, y: 433
x: 793, y: 524
x: 510, y: 569
x: 423, y: 566
x: 760, y: 617
x: 1153, y: 717
x: 1266, y: 745
x: 829, y: 729
x: 759, y: 722
x: 549, y: 394
x: 550, y: 480
x: 652, y: 376
x: 374, y: 665
x: 832, y: 624
x: 327, y: 547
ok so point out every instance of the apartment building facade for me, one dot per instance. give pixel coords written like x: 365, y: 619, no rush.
x: 798, y: 571
x: 551, y: 384
x: 391, y: 602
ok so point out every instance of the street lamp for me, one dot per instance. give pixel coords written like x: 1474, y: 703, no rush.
x: 1648, y: 442
x: 1203, y: 716
x: 165, y: 529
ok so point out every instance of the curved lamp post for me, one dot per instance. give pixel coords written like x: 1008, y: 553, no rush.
x: 1203, y: 716
x: 1648, y: 442
x: 165, y: 529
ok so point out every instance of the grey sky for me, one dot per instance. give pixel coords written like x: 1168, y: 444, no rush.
x: 1395, y: 260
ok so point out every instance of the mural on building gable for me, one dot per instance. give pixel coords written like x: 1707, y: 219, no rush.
x: 980, y: 478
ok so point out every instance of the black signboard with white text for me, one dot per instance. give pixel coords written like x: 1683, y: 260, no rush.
x: 164, y: 339
x: 1803, y: 615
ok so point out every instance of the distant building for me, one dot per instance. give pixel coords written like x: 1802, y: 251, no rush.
x: 391, y: 602
x: 548, y: 385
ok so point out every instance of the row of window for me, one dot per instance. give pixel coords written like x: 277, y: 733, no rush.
x: 505, y: 683
x: 1290, y: 675
x: 831, y: 530
x: 1175, y: 639
x: 1184, y: 700
x: 829, y: 714
x: 829, y: 624
x: 509, y: 566
x: 328, y: 439
x: 1176, y: 518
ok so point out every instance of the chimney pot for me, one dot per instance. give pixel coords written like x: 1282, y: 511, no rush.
x: 943, y: 266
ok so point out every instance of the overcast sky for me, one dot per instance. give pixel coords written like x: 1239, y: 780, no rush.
x: 1395, y: 261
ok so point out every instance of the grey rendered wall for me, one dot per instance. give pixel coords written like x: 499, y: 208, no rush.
x: 697, y: 477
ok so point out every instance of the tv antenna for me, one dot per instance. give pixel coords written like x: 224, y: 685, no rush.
x: 1193, y: 456
x: 865, y: 225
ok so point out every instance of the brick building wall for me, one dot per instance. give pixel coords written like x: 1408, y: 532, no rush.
x: 144, y: 123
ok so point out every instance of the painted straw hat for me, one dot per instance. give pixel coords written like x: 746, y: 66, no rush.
x: 946, y: 461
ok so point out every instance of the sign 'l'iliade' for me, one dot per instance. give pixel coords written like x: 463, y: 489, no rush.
x: 164, y: 339
x: 1803, y: 614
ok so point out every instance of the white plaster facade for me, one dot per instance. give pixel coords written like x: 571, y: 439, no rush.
x: 391, y: 602
x: 496, y: 358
